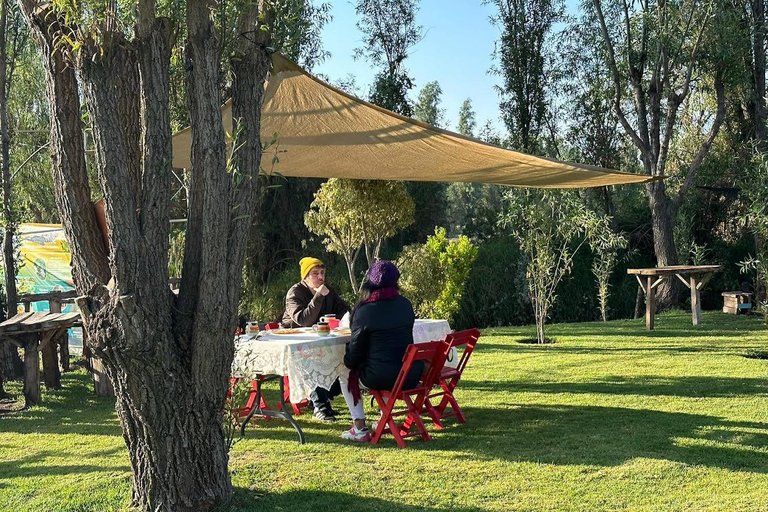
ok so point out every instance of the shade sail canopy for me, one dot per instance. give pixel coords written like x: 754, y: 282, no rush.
x: 325, y: 133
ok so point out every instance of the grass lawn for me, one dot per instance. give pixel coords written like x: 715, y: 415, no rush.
x: 610, y: 417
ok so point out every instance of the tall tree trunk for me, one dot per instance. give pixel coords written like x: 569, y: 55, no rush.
x: 758, y: 50
x: 8, y: 354
x: 70, y: 178
x: 667, y: 293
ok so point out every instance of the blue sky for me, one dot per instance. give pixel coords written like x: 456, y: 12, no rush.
x: 456, y: 52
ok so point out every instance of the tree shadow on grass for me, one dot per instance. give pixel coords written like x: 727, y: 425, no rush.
x: 564, y: 347
x: 320, y: 500
x: 74, y: 409
x: 39, y: 464
x: 608, y: 436
x: 648, y: 385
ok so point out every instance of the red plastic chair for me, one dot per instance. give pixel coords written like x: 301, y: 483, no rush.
x: 449, y: 378
x: 414, y: 398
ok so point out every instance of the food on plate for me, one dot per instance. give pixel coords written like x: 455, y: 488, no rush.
x: 284, y: 331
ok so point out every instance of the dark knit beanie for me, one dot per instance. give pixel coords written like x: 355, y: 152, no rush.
x: 383, y: 274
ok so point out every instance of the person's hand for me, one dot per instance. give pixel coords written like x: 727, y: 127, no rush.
x: 323, y: 290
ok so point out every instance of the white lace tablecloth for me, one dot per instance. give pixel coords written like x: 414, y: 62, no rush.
x: 310, y: 360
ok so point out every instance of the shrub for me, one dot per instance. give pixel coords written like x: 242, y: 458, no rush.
x: 434, y: 274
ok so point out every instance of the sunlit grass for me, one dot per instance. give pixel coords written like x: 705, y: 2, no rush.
x: 610, y: 417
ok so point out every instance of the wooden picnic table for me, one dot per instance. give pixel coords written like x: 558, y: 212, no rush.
x: 34, y: 332
x: 692, y: 276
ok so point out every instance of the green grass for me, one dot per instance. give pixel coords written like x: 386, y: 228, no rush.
x: 610, y: 417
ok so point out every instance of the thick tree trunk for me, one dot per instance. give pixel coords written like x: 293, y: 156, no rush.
x: 167, y: 358
x: 667, y: 294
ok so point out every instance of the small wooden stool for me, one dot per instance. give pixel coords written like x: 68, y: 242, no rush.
x: 733, y: 302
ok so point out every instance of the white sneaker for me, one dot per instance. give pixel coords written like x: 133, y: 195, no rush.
x: 355, y: 434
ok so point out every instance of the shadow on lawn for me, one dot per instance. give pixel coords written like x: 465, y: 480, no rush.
x: 39, y: 465
x: 649, y: 385
x: 321, y: 500
x: 74, y: 409
x: 608, y: 436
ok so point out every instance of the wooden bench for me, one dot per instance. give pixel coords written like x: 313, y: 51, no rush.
x: 33, y: 333
x: 734, y: 302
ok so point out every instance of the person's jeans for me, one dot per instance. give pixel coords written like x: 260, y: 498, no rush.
x: 321, y: 396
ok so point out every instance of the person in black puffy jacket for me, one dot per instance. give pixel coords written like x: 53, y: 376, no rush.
x: 382, y: 329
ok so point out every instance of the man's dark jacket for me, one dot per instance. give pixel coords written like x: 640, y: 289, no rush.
x: 303, y: 308
x: 381, y: 331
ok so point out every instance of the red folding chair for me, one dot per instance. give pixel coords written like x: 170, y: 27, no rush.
x: 413, y: 398
x: 449, y: 377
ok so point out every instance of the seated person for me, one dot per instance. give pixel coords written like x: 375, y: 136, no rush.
x: 382, y: 329
x: 305, y: 303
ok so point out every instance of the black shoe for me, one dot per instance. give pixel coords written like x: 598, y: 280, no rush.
x: 330, y: 409
x: 324, y: 414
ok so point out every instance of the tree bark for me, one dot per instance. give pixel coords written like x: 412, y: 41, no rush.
x: 758, y: 50
x: 169, y: 360
x: 7, y: 362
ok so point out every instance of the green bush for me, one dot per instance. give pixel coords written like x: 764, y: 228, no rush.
x: 434, y: 274
x: 496, y: 292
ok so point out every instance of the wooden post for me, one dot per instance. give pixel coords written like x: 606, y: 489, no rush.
x: 31, y: 371
x: 650, y: 303
x: 695, y: 301
x: 102, y: 386
x: 51, y: 373
x: 101, y: 383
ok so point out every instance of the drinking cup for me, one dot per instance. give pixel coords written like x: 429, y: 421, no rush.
x: 327, y: 318
x: 321, y: 328
x: 333, y: 323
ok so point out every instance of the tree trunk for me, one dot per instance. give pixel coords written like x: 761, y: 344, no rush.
x: 667, y: 295
x: 758, y: 50
x: 9, y: 358
x: 168, y: 358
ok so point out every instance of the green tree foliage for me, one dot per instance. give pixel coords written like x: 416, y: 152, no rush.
x: 390, y: 32
x: 467, y: 123
x: 298, y: 28
x: 755, y: 219
x: 353, y: 215
x: 522, y: 54
x: 550, y: 228
x: 434, y: 274
x: 427, y: 107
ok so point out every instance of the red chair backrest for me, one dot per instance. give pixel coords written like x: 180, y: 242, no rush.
x: 433, y: 351
x: 457, y: 339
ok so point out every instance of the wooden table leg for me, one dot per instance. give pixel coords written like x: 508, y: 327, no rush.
x: 650, y: 303
x: 695, y: 301
x: 31, y: 371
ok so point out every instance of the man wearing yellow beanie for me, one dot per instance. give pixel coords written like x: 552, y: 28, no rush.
x: 305, y: 303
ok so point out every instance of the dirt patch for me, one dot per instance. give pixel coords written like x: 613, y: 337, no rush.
x: 535, y: 341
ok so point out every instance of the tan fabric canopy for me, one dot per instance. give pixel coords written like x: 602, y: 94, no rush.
x: 326, y: 133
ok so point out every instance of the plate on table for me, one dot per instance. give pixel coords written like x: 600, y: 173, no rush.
x: 285, y: 331
x: 343, y: 331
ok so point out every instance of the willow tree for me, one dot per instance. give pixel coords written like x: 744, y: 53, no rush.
x: 168, y: 356
x: 658, y: 53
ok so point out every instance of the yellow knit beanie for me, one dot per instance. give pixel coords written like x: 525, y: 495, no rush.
x: 308, y: 264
